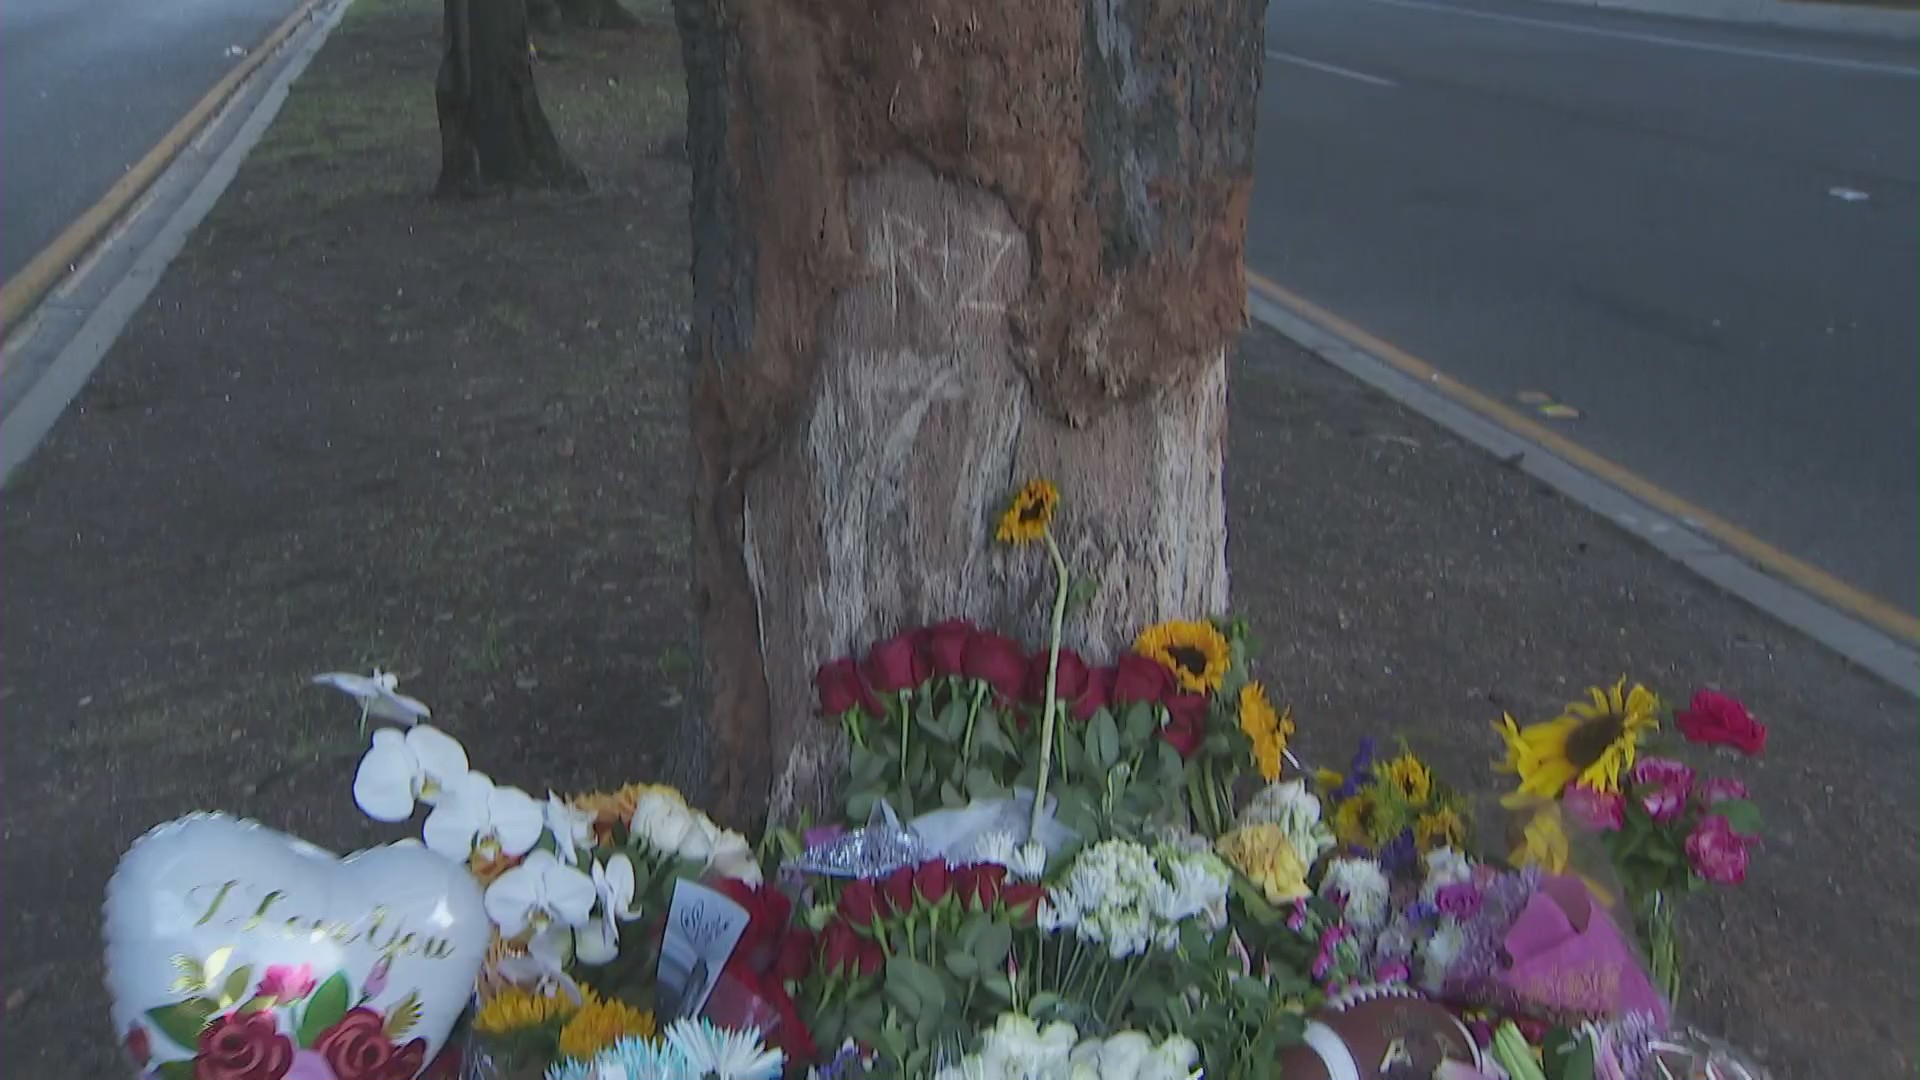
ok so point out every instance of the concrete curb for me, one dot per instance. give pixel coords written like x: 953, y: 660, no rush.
x: 28, y: 422
x: 1887, y: 24
x: 27, y: 288
x: 1856, y: 640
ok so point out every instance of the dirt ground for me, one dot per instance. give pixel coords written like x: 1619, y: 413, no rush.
x: 353, y: 427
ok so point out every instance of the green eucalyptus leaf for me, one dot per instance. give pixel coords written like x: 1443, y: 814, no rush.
x: 962, y: 965
x: 1137, y: 724
x: 996, y: 984
x: 993, y: 946
x: 1741, y: 814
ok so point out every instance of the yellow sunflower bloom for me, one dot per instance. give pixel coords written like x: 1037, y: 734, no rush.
x: 1265, y: 855
x: 1355, y: 819
x: 1028, y: 515
x: 1196, y: 652
x: 1593, y: 742
x: 599, y: 1023
x: 1410, y: 777
x: 1327, y: 780
x: 1543, y: 843
x: 1439, y: 828
x: 515, y: 1009
x: 1266, y: 729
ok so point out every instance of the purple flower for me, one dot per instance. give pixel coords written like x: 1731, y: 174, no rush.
x: 1395, y: 972
x: 1664, y: 804
x: 1297, y: 919
x: 1597, y: 810
x: 1400, y: 855
x: 1460, y: 900
x: 1359, y: 772
x: 377, y: 978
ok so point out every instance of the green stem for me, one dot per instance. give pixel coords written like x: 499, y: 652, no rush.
x: 906, y: 733
x: 1053, y: 673
x: 973, y: 713
x: 1126, y: 984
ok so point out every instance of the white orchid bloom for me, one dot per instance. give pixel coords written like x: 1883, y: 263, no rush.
x: 572, y: 829
x: 400, y: 769
x: 378, y: 696
x: 476, y: 815
x: 543, y: 969
x: 613, y: 885
x: 540, y: 891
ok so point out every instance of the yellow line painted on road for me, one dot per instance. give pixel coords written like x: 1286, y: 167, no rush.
x: 28, y: 287
x: 1861, y: 605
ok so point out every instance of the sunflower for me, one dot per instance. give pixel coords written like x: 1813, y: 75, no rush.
x: 515, y: 1009
x: 1028, y: 515
x: 1196, y: 652
x: 1543, y: 843
x: 1593, y: 742
x: 601, y: 1022
x: 1408, y: 777
x: 1355, y: 819
x: 1442, y: 827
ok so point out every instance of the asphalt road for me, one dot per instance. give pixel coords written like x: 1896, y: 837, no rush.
x: 87, y: 87
x: 1637, y: 217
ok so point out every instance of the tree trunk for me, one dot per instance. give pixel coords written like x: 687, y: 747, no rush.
x: 597, y: 14
x: 493, y: 132
x: 939, y: 248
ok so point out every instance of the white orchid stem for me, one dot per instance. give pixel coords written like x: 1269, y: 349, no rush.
x: 1049, y: 710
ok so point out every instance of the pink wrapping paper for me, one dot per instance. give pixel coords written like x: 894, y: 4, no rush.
x: 1570, y: 957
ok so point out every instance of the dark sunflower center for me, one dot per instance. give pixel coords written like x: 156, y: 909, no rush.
x: 1188, y: 659
x: 1587, y: 743
x: 1031, y: 511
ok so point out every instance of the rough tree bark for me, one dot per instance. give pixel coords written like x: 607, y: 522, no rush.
x: 940, y: 247
x: 493, y: 132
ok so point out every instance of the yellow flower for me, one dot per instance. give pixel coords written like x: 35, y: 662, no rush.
x: 610, y: 808
x: 1327, y: 780
x: 1439, y: 828
x: 1543, y: 843
x: 1409, y: 776
x: 1354, y: 819
x: 1593, y: 742
x: 1265, y: 855
x: 600, y: 1023
x: 514, y: 1009
x: 1196, y: 652
x: 1028, y: 515
x: 1266, y: 729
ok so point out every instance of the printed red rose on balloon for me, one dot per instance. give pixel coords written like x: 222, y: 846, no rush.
x: 356, y: 1048
x: 243, y: 1046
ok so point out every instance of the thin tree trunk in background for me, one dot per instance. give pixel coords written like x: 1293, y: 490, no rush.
x: 493, y: 132
x: 942, y: 247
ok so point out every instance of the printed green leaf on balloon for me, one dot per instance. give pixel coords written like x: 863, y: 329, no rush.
x: 183, y: 1021
x: 324, y: 1009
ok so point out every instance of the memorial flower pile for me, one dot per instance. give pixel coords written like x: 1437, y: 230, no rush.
x: 1054, y: 865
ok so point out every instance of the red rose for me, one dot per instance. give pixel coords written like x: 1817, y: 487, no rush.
x: 870, y: 958
x: 839, y: 951
x: 1137, y: 678
x: 1186, y: 723
x: 895, y: 664
x: 139, y: 1046
x: 932, y: 882
x: 1717, y: 718
x: 860, y: 903
x: 1022, y: 900
x: 945, y: 645
x: 1069, y: 679
x: 842, y: 689
x: 979, y: 885
x: 795, y: 957
x: 996, y: 660
x: 245, y: 1047
x: 898, y: 890
x: 1095, y: 696
x: 356, y: 1048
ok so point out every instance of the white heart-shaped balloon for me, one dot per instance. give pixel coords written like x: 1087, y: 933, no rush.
x: 235, y: 952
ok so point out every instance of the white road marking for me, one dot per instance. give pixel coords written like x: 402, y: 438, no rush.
x: 1847, y: 194
x: 1331, y: 69
x: 1660, y: 39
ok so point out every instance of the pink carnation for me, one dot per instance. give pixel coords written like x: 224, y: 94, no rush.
x: 1716, y: 852
x: 1664, y: 804
x: 1720, y: 789
x: 1597, y: 810
x: 1665, y: 772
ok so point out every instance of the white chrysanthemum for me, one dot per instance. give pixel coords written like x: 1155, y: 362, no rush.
x: 1365, y: 889
x: 1296, y: 810
x: 1029, y: 861
x: 1057, y: 912
x: 1439, y: 952
x: 997, y: 847
x: 1445, y: 867
x: 1198, y: 883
